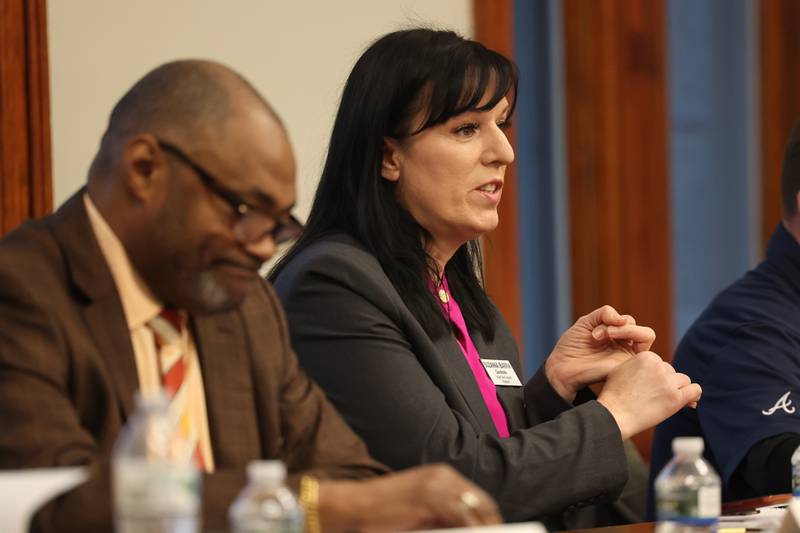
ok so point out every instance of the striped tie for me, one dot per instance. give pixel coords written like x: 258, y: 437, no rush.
x: 169, y: 329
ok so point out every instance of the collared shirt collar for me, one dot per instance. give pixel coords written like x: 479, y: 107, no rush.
x: 138, y: 301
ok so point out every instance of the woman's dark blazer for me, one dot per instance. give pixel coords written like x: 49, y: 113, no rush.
x: 414, y: 400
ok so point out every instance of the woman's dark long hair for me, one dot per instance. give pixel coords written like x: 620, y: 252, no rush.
x: 402, y: 74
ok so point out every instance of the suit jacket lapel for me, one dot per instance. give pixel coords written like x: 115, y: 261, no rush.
x: 465, y: 380
x: 103, y: 311
x: 227, y: 380
x: 510, y: 397
x: 107, y: 324
x: 510, y: 400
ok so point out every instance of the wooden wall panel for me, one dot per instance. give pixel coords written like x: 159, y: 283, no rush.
x: 494, y: 27
x: 617, y: 154
x: 25, y: 161
x: 780, y: 98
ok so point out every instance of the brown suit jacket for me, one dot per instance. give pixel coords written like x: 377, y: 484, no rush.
x: 68, y: 374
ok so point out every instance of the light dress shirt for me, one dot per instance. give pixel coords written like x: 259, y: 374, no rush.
x: 140, y: 306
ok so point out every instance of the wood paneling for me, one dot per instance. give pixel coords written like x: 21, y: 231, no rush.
x: 617, y: 158
x: 25, y: 164
x: 780, y: 98
x: 495, y: 29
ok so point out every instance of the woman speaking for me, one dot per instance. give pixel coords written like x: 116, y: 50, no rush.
x: 387, y: 308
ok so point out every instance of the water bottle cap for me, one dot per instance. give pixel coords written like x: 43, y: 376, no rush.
x: 692, y: 446
x: 266, y: 472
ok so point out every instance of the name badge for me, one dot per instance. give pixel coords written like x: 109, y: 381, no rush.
x: 501, y: 372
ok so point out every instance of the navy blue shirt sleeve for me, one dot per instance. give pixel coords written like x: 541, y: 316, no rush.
x: 751, y: 391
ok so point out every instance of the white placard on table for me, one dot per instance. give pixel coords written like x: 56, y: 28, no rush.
x: 23, y: 492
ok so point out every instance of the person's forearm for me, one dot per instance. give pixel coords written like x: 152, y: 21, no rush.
x: 766, y: 468
x: 341, y: 506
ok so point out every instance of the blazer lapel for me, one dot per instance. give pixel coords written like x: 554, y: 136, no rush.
x: 107, y: 324
x: 103, y: 311
x: 510, y: 397
x: 462, y: 374
x: 227, y: 380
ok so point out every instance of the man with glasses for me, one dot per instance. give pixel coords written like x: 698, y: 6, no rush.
x: 285, y: 229
x: 189, y: 193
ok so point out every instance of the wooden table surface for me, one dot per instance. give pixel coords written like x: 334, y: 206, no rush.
x: 643, y: 527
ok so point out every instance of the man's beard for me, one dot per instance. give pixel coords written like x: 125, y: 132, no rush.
x: 210, y: 296
x: 188, y: 287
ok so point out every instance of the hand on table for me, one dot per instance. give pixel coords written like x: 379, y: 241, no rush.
x: 425, y: 497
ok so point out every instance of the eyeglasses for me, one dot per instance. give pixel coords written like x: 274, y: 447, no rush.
x: 250, y: 220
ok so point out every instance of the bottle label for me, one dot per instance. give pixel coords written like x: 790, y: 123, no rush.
x: 155, y: 489
x: 692, y: 507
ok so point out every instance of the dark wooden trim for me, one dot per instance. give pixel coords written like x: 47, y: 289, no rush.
x: 617, y: 154
x: 25, y: 158
x: 494, y: 27
x: 780, y: 106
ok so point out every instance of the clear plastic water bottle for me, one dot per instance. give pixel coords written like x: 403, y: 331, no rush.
x: 687, y: 491
x: 266, y: 505
x: 796, y: 473
x: 156, y: 484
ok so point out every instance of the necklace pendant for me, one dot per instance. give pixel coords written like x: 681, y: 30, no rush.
x: 443, y: 297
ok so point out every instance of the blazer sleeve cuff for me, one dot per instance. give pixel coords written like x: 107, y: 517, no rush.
x: 542, y: 402
x: 610, y: 450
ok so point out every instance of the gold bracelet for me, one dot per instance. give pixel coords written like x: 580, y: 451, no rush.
x: 309, y: 499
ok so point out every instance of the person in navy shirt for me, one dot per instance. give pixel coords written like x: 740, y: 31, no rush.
x: 744, y: 350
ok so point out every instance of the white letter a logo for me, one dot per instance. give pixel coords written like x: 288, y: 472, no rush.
x: 783, y: 403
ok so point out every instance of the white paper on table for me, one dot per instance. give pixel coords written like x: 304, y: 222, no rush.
x: 791, y: 524
x: 22, y: 492
x: 767, y: 518
x: 524, y: 527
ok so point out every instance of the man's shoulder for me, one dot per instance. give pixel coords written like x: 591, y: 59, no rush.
x: 40, y: 247
x: 758, y: 301
x: 27, y: 237
x: 760, y: 296
x: 30, y: 252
